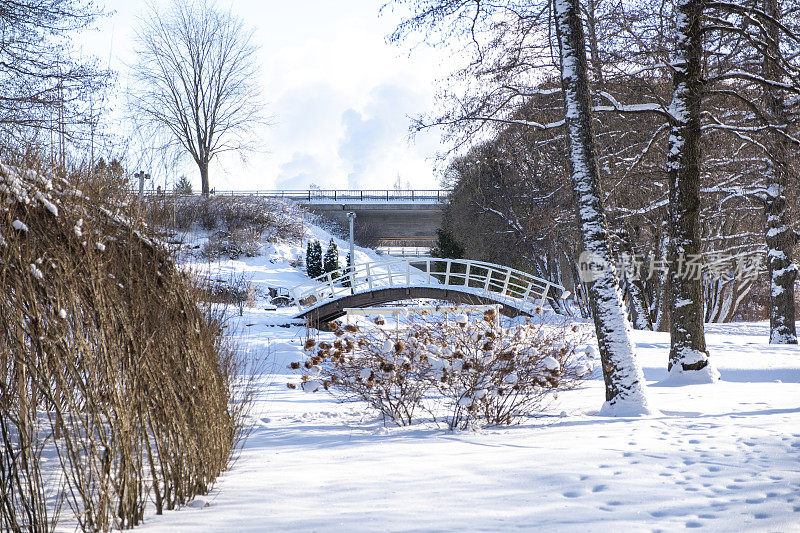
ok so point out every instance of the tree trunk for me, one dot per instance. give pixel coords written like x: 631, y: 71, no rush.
x: 688, y: 357
x: 779, y: 237
x: 664, y: 309
x: 204, y: 177
x: 591, y: 28
x: 623, y: 377
x: 640, y: 317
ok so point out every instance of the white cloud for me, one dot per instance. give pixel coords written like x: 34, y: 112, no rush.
x: 338, y: 96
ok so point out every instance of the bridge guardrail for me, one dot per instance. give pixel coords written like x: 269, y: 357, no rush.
x: 517, y: 288
x: 312, y: 195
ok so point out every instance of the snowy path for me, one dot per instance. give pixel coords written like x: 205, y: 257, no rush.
x: 724, y: 457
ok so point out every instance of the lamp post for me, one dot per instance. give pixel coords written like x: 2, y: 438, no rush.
x: 351, y: 216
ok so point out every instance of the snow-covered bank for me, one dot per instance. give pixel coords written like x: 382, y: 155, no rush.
x: 722, y: 456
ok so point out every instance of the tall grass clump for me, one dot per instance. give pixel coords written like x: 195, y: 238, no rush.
x: 117, y: 389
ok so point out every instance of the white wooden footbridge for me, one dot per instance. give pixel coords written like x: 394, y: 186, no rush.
x: 461, y: 281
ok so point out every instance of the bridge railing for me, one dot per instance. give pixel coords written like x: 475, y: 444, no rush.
x: 515, y: 287
x: 321, y: 195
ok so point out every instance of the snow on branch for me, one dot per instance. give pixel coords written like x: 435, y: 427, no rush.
x: 630, y: 108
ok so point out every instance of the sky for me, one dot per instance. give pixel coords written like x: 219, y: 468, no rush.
x: 339, y: 96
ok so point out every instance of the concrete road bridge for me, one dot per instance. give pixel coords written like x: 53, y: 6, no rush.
x: 383, y: 217
x: 460, y: 281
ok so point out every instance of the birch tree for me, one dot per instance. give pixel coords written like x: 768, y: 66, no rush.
x: 196, y: 81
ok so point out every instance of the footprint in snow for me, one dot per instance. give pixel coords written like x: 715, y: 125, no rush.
x: 599, y: 488
x: 694, y: 524
x: 572, y: 494
x: 761, y: 516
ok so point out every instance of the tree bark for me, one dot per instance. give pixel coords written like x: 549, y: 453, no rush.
x: 688, y: 356
x: 664, y: 310
x: 622, y: 375
x: 204, y: 178
x: 638, y: 306
x: 779, y: 237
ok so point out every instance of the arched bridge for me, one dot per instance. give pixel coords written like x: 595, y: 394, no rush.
x: 461, y: 281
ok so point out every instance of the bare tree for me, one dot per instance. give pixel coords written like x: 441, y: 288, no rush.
x: 778, y: 234
x: 624, y: 382
x: 42, y: 84
x: 623, y: 377
x: 196, y: 81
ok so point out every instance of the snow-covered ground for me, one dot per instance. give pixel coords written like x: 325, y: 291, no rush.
x: 725, y: 456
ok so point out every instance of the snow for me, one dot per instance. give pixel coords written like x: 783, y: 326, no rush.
x: 19, y: 225
x: 720, y: 456
x: 36, y: 272
x: 551, y: 363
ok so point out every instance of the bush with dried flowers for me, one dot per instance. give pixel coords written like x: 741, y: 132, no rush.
x: 466, y: 373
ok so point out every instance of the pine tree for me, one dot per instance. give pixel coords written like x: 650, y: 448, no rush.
x: 314, y: 259
x: 184, y: 186
x: 331, y: 263
x: 309, y: 259
x: 348, y: 276
x: 447, y: 246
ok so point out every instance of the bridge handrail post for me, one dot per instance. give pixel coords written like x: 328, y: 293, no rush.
x: 447, y: 273
x: 489, y: 272
x: 527, y: 292
x: 330, y: 283
x: 508, y: 279
x: 466, y: 275
x: 544, y: 296
x: 369, y: 276
x: 408, y: 272
x: 428, y: 268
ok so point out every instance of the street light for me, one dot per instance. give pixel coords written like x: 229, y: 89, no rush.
x: 351, y: 216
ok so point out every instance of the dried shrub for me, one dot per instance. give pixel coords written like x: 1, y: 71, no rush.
x: 271, y: 219
x: 240, y: 242
x: 107, y: 363
x: 236, y: 290
x: 467, y: 373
